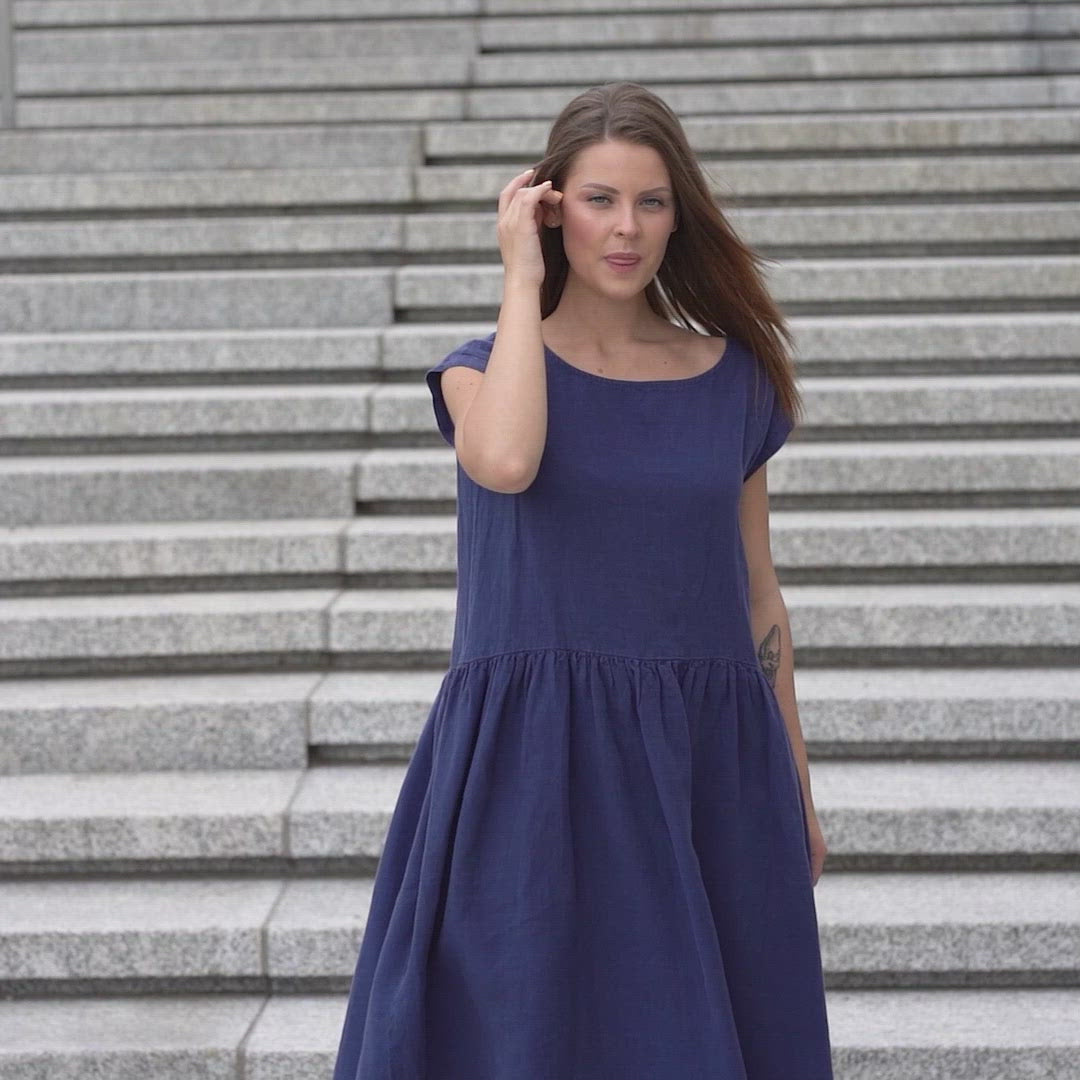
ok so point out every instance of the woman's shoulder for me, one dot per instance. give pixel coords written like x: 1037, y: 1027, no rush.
x: 473, y: 353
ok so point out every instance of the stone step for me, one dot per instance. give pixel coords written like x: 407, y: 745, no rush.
x: 806, y: 181
x: 200, y: 299
x: 180, y: 935
x: 1031, y: 623
x: 808, y: 474
x: 115, y: 488
x: 753, y: 28
x: 748, y: 45
x: 358, y: 39
x: 917, y: 1034
x: 808, y: 547
x: 291, y: 146
x: 194, y: 631
x: 181, y: 555
x: 722, y: 138
x: 181, y: 487
x: 258, y: 38
x: 262, y: 721
x: 388, y: 186
x: 852, y: 95
x: 265, y: 417
x: 775, y: 184
x: 268, y: 71
x: 876, y: 815
x: 972, y: 229
x: 990, y: 343
x: 340, y: 296
x: 282, y: 417
x: 923, y: 89
x: 256, y: 934
x: 172, y: 357
x: 367, y: 296
x: 979, y: 61
x: 344, y: 59
x: 270, y: 719
x: 783, y: 131
x: 805, y: 285
x: 47, y: 13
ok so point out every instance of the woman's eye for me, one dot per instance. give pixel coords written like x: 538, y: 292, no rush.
x: 651, y: 198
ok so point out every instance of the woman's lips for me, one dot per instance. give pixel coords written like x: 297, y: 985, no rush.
x: 621, y: 264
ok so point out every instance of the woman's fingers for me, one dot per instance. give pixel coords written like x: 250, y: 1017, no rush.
x: 517, y: 183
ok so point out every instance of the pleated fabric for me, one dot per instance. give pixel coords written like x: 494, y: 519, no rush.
x: 598, y: 865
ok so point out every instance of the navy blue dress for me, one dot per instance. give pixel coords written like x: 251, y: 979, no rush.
x: 598, y: 865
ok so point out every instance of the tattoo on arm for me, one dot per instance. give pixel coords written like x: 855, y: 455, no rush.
x: 769, y: 654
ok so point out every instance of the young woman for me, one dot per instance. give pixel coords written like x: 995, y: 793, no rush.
x: 602, y: 859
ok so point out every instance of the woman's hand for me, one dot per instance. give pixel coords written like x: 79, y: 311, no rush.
x: 818, y: 849
x: 519, y: 222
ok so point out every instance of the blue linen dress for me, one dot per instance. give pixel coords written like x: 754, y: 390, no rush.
x: 598, y: 867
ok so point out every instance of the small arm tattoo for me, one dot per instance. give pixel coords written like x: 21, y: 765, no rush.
x: 769, y: 654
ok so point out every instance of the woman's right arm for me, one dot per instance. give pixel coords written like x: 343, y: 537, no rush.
x: 500, y: 414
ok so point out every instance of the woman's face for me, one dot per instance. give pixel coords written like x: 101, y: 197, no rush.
x: 617, y: 197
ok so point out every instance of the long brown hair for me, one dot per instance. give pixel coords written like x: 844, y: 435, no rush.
x: 708, y: 273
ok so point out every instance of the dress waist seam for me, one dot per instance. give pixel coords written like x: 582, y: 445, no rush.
x: 600, y: 655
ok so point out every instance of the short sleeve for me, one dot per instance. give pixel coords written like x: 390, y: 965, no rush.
x: 472, y: 354
x: 767, y: 431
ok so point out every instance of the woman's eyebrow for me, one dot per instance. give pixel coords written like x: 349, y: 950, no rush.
x: 615, y: 191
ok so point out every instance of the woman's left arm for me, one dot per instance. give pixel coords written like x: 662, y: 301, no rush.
x: 772, y: 637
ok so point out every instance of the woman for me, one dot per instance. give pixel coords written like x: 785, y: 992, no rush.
x: 602, y: 859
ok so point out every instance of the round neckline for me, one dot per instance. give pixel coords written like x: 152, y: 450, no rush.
x: 643, y: 382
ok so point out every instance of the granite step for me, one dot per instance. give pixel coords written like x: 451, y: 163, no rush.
x: 731, y: 136
x: 239, y: 44
x: 276, y: 720
x: 163, y: 151
x: 998, y: 229
x: 217, y: 357
x: 762, y: 96
x: 49, y: 13
x: 122, y: 488
x: 780, y: 184
x: 796, y: 28
x: 895, y: 815
x: 804, y: 474
x: 863, y: 625
x: 367, y: 296
x: 276, y: 68
x: 985, y: 343
x: 265, y: 61
x: 976, y: 61
x: 325, y: 415
x: 56, y: 13
x: 189, y: 38
x: 198, y: 299
x: 407, y: 105
x: 269, y: 720
x: 512, y: 52
x: 802, y: 285
x: 1018, y: 83
x: 155, y: 935
x: 994, y: 133
x: 262, y: 485
x: 881, y: 1034
x: 808, y: 547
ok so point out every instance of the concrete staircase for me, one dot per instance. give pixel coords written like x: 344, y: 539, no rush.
x: 232, y: 235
